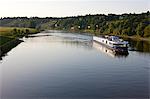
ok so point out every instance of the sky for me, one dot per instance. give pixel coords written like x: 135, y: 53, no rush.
x: 63, y: 8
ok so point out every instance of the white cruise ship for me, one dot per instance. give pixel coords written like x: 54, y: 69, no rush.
x: 113, y: 42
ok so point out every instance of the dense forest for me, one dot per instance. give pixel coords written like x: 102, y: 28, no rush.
x: 124, y: 24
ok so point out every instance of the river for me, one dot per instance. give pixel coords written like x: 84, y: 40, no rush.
x: 59, y: 65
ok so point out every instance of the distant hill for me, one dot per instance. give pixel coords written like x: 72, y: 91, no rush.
x: 125, y: 24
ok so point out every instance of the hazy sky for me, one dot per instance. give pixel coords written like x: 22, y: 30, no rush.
x: 59, y: 8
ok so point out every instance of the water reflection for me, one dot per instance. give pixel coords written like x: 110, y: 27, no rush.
x: 68, y: 66
x: 107, y: 51
x: 80, y: 40
x: 87, y: 45
x: 139, y: 46
x: 68, y: 39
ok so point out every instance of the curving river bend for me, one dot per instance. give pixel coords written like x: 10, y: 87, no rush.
x: 57, y: 65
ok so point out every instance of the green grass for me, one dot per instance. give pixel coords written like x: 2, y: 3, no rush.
x: 9, y: 33
x: 5, y: 31
x: 4, y: 40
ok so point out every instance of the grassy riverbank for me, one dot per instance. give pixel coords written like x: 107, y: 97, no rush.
x: 9, y: 37
x: 7, y: 44
x: 9, y: 33
x: 4, y: 40
x: 16, y: 32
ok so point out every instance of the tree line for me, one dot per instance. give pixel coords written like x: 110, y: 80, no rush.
x: 99, y: 24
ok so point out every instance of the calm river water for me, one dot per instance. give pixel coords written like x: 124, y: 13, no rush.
x: 57, y: 65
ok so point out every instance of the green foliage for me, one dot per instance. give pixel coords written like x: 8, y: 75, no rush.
x: 4, y: 40
x: 147, y: 31
x: 140, y: 29
x: 27, y: 31
x: 125, y: 24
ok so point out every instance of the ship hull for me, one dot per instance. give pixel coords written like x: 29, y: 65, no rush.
x: 117, y: 50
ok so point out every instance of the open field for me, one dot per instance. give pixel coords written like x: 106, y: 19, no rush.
x: 14, y: 31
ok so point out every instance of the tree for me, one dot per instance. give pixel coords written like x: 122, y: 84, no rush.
x: 27, y: 31
x: 139, y: 29
x: 147, y: 31
x: 14, y: 31
x: 32, y: 24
